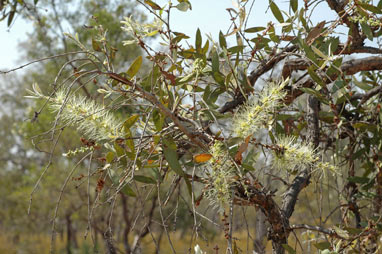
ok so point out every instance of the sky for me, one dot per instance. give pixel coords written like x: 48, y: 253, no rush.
x: 208, y: 15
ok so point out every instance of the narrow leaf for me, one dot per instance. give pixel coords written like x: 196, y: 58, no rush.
x: 128, y: 191
x: 134, y: 67
x: 289, y: 249
x: 254, y: 29
x: 222, y: 41
x: 198, y: 40
x: 373, y: 9
x: 276, y: 12
x: 153, y: 5
x: 144, y: 179
x: 215, y: 62
x: 172, y: 159
x: 130, y: 121
x: 294, y: 5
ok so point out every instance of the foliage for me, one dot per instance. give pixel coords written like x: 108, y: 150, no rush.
x: 181, y: 124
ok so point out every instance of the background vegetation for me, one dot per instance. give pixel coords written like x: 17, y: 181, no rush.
x: 270, y: 144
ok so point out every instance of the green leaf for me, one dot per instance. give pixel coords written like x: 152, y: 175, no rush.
x: 358, y: 179
x: 109, y: 157
x: 10, y: 18
x: 289, y: 249
x: 219, y: 78
x: 325, y: 116
x: 315, y: 93
x: 144, y: 179
x: 205, y: 48
x: 158, y: 119
x: 153, y: 5
x: 134, y: 67
x: 363, y: 85
x: 372, y: 8
x: 365, y: 126
x: 130, y: 121
x: 128, y: 191
x: 120, y: 151
x: 173, y: 161
x: 96, y: 46
x: 184, y: 6
x: 222, y: 41
x: 294, y: 5
x: 318, y: 52
x: 198, y: 40
x: 272, y: 137
x: 215, y: 62
x: 129, y: 142
x: 367, y: 30
x: 236, y: 49
x: 314, y: 76
x: 342, y: 233
x: 338, y: 85
x: 308, y: 51
x: 322, y: 245
x: 302, y: 19
x: 254, y: 29
x: 276, y: 12
x: 354, y: 231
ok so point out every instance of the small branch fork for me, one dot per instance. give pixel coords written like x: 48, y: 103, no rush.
x: 152, y: 98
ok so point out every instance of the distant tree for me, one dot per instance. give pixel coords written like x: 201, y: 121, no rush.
x: 22, y: 165
x: 250, y: 124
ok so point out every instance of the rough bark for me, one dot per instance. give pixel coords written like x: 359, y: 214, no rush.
x: 302, y: 180
x: 108, y: 237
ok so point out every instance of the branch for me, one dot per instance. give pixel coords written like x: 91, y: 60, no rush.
x: 279, y: 224
x: 255, y: 74
x: 350, y: 67
x: 291, y: 194
x: 152, y: 98
x: 361, y: 49
x: 329, y: 232
x: 339, y: 7
x: 298, y: 64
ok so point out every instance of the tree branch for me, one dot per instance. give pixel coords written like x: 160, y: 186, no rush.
x: 152, y: 98
x: 339, y: 7
x: 255, y: 74
x: 350, y: 67
x: 329, y: 232
x: 279, y: 225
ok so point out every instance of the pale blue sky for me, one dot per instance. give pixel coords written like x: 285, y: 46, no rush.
x: 209, y: 15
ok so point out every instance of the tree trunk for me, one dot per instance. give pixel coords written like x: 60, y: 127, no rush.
x: 108, y: 237
x: 68, y: 234
x: 301, y: 180
x: 260, y: 234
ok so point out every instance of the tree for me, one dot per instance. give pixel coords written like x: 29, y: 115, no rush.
x: 22, y: 163
x: 298, y: 104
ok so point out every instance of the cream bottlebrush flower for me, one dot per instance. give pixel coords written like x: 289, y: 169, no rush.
x: 141, y: 30
x: 257, y: 112
x: 294, y: 155
x: 92, y: 120
x: 221, y: 174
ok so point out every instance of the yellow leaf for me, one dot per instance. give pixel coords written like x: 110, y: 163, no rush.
x: 203, y: 157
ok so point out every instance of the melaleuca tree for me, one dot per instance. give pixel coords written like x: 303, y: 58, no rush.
x: 294, y: 100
